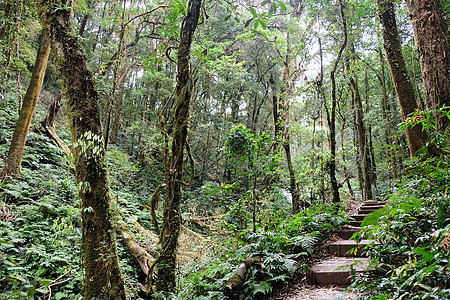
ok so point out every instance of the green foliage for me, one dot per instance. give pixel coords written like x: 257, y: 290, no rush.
x: 413, y: 228
x: 40, y: 236
x: 427, y: 120
x: 282, y: 248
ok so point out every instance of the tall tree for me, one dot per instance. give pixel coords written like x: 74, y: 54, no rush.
x: 16, y: 149
x: 386, y: 115
x: 402, y: 82
x: 331, y: 116
x: 166, y: 268
x: 281, y: 107
x: 433, y: 40
x: 12, y: 41
x: 362, y: 137
x: 103, y: 278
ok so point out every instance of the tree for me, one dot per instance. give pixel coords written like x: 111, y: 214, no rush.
x: 432, y: 36
x: 16, y: 149
x: 166, y: 267
x: 331, y: 116
x: 402, y: 83
x: 362, y: 136
x: 281, y: 107
x: 103, y: 277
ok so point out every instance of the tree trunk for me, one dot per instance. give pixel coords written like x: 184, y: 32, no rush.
x: 282, y: 133
x: 235, y: 283
x: 387, y: 129
x: 103, y: 278
x: 373, y: 165
x: 432, y: 38
x: 16, y: 149
x: 166, y: 280
x: 402, y: 83
x: 332, y: 117
x: 47, y: 126
x: 346, y: 173
x: 362, y: 139
x: 14, y: 42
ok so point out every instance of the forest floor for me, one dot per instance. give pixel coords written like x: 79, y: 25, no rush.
x: 300, y: 291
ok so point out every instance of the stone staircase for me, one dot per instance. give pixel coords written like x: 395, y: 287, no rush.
x: 337, y: 269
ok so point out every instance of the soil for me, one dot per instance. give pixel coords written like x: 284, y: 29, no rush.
x: 315, y: 292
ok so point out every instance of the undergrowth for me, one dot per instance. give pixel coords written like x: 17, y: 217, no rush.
x: 284, y: 249
x: 412, y: 261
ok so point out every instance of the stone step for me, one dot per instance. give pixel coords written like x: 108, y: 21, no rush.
x: 341, y: 248
x: 371, y: 206
x: 347, y: 232
x: 372, y: 203
x: 358, y: 217
x: 367, y: 210
x: 337, y: 270
x: 355, y: 223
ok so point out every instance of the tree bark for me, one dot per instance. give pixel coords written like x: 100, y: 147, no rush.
x: 402, y: 83
x: 13, y: 41
x: 332, y: 116
x: 235, y: 283
x: 362, y: 139
x: 16, y: 149
x: 166, y: 267
x: 103, y: 278
x: 47, y: 126
x: 387, y: 129
x: 281, y: 120
x: 432, y: 37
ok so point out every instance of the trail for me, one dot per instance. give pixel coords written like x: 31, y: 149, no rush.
x: 328, y: 279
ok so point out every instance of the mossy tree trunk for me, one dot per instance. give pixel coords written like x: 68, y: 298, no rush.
x: 433, y: 41
x: 281, y: 108
x: 166, y: 265
x: 103, y: 278
x: 16, y: 149
x: 402, y: 82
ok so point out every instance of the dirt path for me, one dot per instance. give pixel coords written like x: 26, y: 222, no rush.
x: 315, y: 292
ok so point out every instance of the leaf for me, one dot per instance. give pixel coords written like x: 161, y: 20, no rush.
x: 248, y: 23
x: 263, y: 22
x: 282, y: 5
x: 256, y: 24
x: 271, y: 12
x: 263, y: 287
x: 45, y: 282
x: 253, y: 12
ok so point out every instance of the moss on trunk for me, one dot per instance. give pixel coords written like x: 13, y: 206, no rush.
x: 174, y: 165
x: 103, y: 278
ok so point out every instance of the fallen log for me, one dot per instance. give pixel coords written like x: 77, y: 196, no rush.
x: 140, y: 255
x: 236, y: 281
x: 193, y: 233
x: 199, y: 223
x: 147, y: 233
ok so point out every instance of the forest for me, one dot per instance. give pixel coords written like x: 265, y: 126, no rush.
x: 214, y: 149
